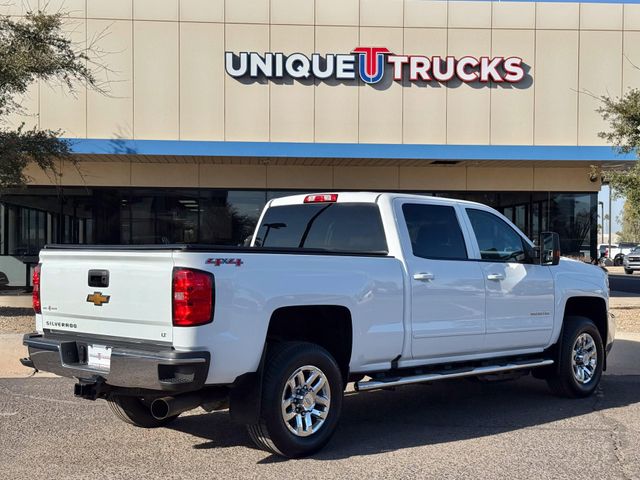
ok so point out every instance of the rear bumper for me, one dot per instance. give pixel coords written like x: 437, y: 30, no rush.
x: 158, y: 368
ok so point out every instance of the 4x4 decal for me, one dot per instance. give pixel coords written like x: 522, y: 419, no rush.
x: 224, y: 261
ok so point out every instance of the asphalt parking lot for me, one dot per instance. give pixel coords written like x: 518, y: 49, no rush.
x: 625, y: 283
x: 458, y: 429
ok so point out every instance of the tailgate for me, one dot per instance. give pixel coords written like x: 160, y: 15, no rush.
x: 134, y: 302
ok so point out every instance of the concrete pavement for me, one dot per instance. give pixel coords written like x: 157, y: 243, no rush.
x: 624, y: 301
x: 16, y: 301
x: 624, y: 359
x: 11, y: 350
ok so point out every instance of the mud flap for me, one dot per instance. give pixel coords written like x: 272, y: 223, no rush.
x: 245, y: 397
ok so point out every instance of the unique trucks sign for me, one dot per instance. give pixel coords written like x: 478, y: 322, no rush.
x: 370, y: 63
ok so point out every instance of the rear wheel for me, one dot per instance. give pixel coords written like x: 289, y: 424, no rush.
x: 301, y: 400
x: 136, y: 411
x: 617, y: 261
x: 581, y: 359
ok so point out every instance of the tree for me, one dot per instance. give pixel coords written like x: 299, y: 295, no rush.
x: 630, y: 220
x: 34, y: 48
x: 623, y: 115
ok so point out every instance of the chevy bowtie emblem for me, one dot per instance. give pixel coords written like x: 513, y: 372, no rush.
x: 98, y: 299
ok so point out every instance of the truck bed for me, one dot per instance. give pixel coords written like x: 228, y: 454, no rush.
x: 249, y: 285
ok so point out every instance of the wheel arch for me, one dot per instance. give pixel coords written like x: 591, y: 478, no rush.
x: 593, y: 308
x: 300, y: 323
x: 294, y: 323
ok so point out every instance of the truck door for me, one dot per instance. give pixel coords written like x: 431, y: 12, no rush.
x: 520, y: 293
x: 447, y: 289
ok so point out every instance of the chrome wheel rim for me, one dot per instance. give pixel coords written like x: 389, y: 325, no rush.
x: 584, y: 358
x: 306, y: 400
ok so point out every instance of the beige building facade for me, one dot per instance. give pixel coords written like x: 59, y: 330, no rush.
x: 165, y: 72
x: 174, y: 122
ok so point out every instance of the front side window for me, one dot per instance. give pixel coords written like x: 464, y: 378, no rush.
x: 497, y: 240
x: 434, y: 231
x: 347, y: 227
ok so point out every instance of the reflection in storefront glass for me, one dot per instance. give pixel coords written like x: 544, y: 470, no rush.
x: 572, y: 215
x: 31, y: 218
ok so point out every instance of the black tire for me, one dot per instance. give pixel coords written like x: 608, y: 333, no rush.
x: 628, y: 272
x: 271, y: 432
x: 563, y: 382
x: 135, y: 411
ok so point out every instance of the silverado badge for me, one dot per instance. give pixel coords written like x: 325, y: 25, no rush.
x: 98, y: 299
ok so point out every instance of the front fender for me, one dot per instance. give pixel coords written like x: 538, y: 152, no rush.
x: 576, y: 279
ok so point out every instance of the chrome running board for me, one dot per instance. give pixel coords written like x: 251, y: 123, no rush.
x: 445, y: 375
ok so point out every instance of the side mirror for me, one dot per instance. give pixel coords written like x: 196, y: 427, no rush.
x: 548, y: 248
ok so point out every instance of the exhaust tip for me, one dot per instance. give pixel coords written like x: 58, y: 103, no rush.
x: 160, y: 409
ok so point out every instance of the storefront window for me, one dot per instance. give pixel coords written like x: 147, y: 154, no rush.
x: 158, y: 216
x: 26, y: 230
x: 229, y: 217
x: 574, y: 218
x: 572, y: 215
x: 33, y: 217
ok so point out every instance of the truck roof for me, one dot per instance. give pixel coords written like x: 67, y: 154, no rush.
x: 363, y: 197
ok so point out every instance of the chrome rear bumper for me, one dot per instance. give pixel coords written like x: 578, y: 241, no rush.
x: 154, y: 368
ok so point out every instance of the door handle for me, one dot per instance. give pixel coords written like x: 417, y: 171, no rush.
x: 423, y: 277
x: 495, y: 277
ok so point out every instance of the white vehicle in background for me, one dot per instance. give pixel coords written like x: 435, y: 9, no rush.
x: 603, y: 250
x: 631, y: 261
x: 379, y: 289
x: 619, y: 251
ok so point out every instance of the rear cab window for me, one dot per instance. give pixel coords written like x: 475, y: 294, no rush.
x: 337, y: 227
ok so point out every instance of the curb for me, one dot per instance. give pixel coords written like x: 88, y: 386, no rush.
x: 16, y: 301
x: 626, y: 302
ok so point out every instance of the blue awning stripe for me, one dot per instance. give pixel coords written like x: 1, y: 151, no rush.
x: 347, y: 150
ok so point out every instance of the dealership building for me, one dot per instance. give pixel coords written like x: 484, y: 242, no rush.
x: 214, y: 107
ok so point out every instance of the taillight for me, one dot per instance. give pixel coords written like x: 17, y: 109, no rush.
x: 192, y: 297
x: 35, y: 296
x: 322, y: 198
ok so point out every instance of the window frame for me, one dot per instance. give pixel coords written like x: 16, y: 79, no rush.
x: 526, y: 243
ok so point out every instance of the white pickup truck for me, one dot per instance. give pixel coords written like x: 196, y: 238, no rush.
x: 380, y: 289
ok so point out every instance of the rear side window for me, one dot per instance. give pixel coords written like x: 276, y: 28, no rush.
x: 497, y: 240
x: 434, y: 231
x: 348, y: 227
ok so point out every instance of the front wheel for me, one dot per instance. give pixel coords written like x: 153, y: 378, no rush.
x: 628, y: 271
x: 301, y: 400
x: 136, y: 411
x: 581, y: 359
x: 617, y: 261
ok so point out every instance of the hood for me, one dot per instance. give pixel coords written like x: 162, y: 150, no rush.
x: 590, y: 273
